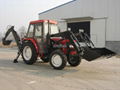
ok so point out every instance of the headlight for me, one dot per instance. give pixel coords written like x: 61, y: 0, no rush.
x: 71, y: 46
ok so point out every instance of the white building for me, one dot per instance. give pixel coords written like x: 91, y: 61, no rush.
x: 99, y: 18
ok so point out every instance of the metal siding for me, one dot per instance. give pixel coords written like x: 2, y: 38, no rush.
x: 98, y: 32
x: 62, y: 25
x: 113, y: 22
x: 93, y: 8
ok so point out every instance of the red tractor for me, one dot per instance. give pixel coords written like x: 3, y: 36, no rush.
x: 44, y: 40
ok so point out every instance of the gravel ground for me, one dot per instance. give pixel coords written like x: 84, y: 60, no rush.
x: 101, y: 74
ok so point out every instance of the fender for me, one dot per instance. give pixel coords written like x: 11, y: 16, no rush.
x: 34, y: 43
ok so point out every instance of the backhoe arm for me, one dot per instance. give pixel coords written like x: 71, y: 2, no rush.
x: 17, y: 40
x: 15, y: 35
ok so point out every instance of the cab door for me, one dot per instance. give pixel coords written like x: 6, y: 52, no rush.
x: 35, y: 31
x: 38, y: 36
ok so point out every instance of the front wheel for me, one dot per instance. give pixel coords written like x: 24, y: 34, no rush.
x: 58, y: 60
x: 74, y: 60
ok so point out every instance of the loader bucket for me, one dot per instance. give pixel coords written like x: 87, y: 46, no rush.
x: 6, y: 42
x: 90, y: 54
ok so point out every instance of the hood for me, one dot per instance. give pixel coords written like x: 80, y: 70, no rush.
x: 64, y: 41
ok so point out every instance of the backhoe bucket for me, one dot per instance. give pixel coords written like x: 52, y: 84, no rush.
x: 6, y: 42
x: 90, y: 54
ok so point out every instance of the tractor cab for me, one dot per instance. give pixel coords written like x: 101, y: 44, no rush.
x: 39, y: 30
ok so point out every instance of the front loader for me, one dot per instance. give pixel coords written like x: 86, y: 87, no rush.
x: 45, y: 40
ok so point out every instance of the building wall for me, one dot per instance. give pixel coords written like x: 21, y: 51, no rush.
x: 109, y: 10
x: 113, y: 21
x: 78, y: 8
x: 94, y: 8
x: 98, y: 32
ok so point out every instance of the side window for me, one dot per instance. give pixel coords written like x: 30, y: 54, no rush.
x: 38, y: 31
x: 30, y: 32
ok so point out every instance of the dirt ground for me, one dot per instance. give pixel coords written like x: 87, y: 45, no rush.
x: 13, y: 44
x: 101, y: 74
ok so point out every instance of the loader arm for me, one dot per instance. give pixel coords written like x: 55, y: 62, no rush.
x: 86, y: 39
x: 85, y: 52
x: 70, y: 36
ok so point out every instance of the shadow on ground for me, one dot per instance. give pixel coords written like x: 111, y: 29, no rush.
x: 39, y: 68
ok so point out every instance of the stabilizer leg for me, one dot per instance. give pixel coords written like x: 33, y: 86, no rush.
x: 16, y: 59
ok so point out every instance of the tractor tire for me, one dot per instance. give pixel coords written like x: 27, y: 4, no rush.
x: 29, y: 53
x: 74, y: 61
x: 58, y: 60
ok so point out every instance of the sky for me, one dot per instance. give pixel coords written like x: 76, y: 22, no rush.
x: 21, y: 12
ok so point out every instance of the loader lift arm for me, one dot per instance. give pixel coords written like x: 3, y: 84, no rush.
x: 85, y: 52
x: 86, y: 39
x: 17, y: 40
x: 70, y: 36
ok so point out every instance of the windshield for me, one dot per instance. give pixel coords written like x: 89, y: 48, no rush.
x: 54, y: 28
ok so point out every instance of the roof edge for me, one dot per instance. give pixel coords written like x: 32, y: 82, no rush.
x: 57, y: 7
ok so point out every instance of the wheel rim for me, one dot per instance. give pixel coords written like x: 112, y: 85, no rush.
x: 27, y: 53
x: 56, y: 60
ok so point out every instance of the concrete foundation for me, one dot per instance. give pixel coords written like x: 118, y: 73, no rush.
x: 113, y: 46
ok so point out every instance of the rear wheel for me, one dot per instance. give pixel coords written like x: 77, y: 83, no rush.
x: 74, y: 61
x: 29, y: 53
x: 58, y: 60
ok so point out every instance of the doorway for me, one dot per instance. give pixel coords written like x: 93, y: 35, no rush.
x: 76, y: 26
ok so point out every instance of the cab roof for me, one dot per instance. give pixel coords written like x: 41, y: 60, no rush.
x: 41, y: 21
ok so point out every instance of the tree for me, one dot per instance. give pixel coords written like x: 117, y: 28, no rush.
x: 22, y: 31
